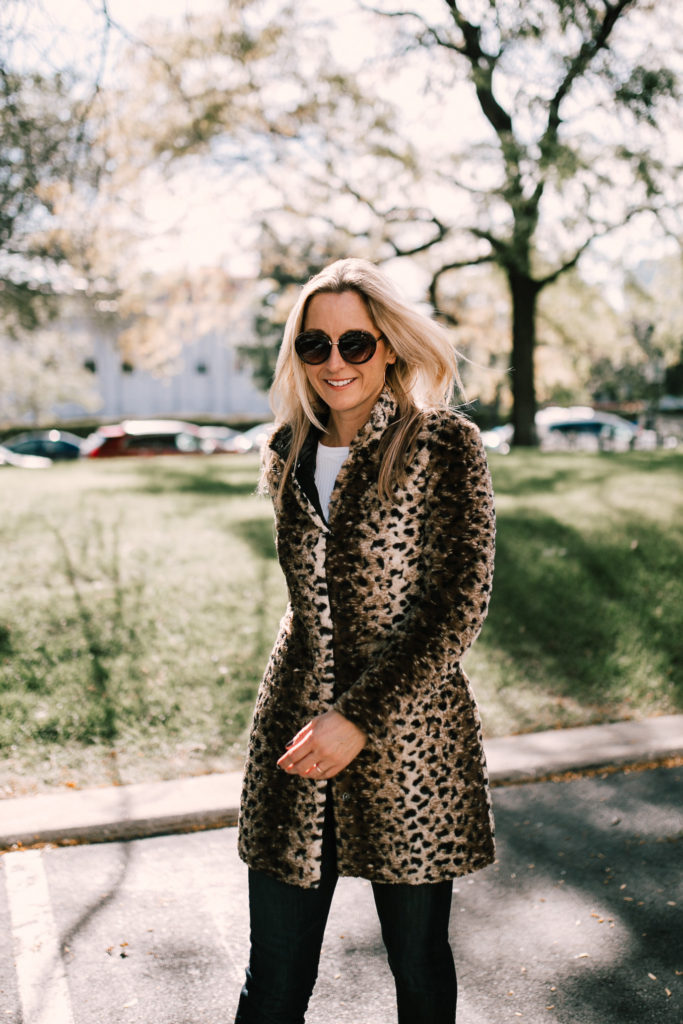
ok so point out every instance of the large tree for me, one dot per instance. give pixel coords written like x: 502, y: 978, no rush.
x: 567, y: 105
x: 48, y: 151
x: 533, y: 132
x: 41, y: 149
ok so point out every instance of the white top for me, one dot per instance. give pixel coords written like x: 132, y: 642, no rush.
x: 328, y: 462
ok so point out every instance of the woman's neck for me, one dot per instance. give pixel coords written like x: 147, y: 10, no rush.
x: 342, y: 426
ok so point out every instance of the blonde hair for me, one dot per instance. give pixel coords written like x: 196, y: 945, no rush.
x: 423, y: 376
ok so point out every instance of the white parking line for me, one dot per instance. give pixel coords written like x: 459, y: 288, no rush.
x: 43, y: 988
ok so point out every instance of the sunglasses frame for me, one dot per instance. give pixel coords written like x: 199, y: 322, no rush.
x: 354, y: 331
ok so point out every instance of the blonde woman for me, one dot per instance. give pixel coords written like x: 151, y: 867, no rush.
x: 365, y: 755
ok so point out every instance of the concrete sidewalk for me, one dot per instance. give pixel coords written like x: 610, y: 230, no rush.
x: 211, y: 801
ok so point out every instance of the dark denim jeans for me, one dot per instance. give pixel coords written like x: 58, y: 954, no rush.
x: 287, y: 927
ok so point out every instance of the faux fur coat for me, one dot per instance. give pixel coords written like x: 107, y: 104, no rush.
x: 384, y: 602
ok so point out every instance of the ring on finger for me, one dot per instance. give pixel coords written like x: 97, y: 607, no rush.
x: 318, y: 768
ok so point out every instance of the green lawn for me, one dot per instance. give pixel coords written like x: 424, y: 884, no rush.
x: 140, y: 599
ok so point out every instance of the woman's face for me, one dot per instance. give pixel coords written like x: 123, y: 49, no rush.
x: 349, y: 389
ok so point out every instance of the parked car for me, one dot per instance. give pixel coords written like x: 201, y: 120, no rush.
x: 586, y: 429
x: 224, y: 439
x: 10, y: 458
x: 146, y: 437
x: 50, y: 444
x: 256, y: 437
x: 498, y: 438
x: 577, y: 428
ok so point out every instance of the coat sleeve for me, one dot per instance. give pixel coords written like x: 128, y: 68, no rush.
x: 456, y: 572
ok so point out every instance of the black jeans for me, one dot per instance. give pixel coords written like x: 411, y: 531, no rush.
x: 287, y: 927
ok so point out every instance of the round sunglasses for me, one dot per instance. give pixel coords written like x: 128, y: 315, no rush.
x: 314, y: 347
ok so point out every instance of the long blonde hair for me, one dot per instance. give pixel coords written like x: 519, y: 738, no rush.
x: 424, y: 375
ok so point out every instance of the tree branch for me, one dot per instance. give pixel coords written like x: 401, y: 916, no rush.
x: 577, y: 67
x: 438, y: 274
x: 483, y: 65
x: 428, y: 29
x: 572, y: 261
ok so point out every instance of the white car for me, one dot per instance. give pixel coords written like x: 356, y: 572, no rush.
x: 10, y: 458
x: 256, y: 437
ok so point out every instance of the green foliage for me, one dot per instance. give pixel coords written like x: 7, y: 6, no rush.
x: 643, y: 90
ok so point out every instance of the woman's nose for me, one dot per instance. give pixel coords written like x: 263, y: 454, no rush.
x: 334, y: 360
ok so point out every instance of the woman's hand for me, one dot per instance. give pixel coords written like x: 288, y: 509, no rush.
x: 324, y: 747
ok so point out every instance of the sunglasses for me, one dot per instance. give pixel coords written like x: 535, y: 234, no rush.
x: 314, y: 347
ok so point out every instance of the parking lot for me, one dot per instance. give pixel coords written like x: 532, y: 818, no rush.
x: 578, y: 922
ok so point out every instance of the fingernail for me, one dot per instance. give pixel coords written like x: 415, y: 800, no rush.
x: 290, y: 743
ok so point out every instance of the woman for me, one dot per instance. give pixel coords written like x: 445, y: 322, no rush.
x: 365, y: 755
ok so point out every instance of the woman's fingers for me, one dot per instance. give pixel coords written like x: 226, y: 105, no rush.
x: 299, y: 755
x: 324, y: 747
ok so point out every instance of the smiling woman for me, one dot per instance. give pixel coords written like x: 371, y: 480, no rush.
x: 349, y: 386
x: 365, y: 755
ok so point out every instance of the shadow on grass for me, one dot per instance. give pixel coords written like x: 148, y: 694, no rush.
x: 535, y: 473
x: 589, y: 617
x: 201, y: 477
x: 104, y: 722
x: 259, y: 534
x: 5, y: 640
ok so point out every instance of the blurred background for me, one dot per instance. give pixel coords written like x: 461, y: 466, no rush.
x: 171, y: 173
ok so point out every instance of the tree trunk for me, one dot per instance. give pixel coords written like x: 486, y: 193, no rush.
x: 523, y: 292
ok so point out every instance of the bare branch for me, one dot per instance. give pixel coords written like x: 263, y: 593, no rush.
x: 429, y: 30
x: 456, y: 265
x: 143, y: 44
x: 483, y: 65
x: 394, y: 216
x: 571, y: 262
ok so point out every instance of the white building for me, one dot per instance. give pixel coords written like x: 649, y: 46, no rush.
x: 177, y: 356
x: 208, y: 378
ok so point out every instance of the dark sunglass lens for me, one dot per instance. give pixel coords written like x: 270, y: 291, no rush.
x: 312, y: 347
x: 357, y: 346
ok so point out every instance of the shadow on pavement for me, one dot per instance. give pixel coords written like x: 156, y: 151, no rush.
x: 583, y: 907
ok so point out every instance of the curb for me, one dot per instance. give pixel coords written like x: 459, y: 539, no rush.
x: 211, y: 801
x: 537, y: 755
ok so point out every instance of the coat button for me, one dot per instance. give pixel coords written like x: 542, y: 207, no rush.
x: 346, y: 796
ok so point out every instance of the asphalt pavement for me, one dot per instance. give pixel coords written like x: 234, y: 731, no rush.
x: 577, y: 922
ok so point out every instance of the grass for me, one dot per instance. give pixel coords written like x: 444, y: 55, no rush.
x: 140, y: 599
x: 585, y: 618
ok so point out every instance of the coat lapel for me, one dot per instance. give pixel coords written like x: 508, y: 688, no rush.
x: 363, y: 447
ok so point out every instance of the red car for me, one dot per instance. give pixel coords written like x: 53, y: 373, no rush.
x: 147, y: 437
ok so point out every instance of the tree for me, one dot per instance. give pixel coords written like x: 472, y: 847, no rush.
x: 47, y: 152
x: 257, y: 94
x: 573, y: 95
x: 539, y: 136
x: 533, y: 131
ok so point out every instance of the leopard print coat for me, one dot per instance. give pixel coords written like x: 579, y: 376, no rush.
x: 384, y: 602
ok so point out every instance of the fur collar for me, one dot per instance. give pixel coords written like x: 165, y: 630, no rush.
x: 384, y: 412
